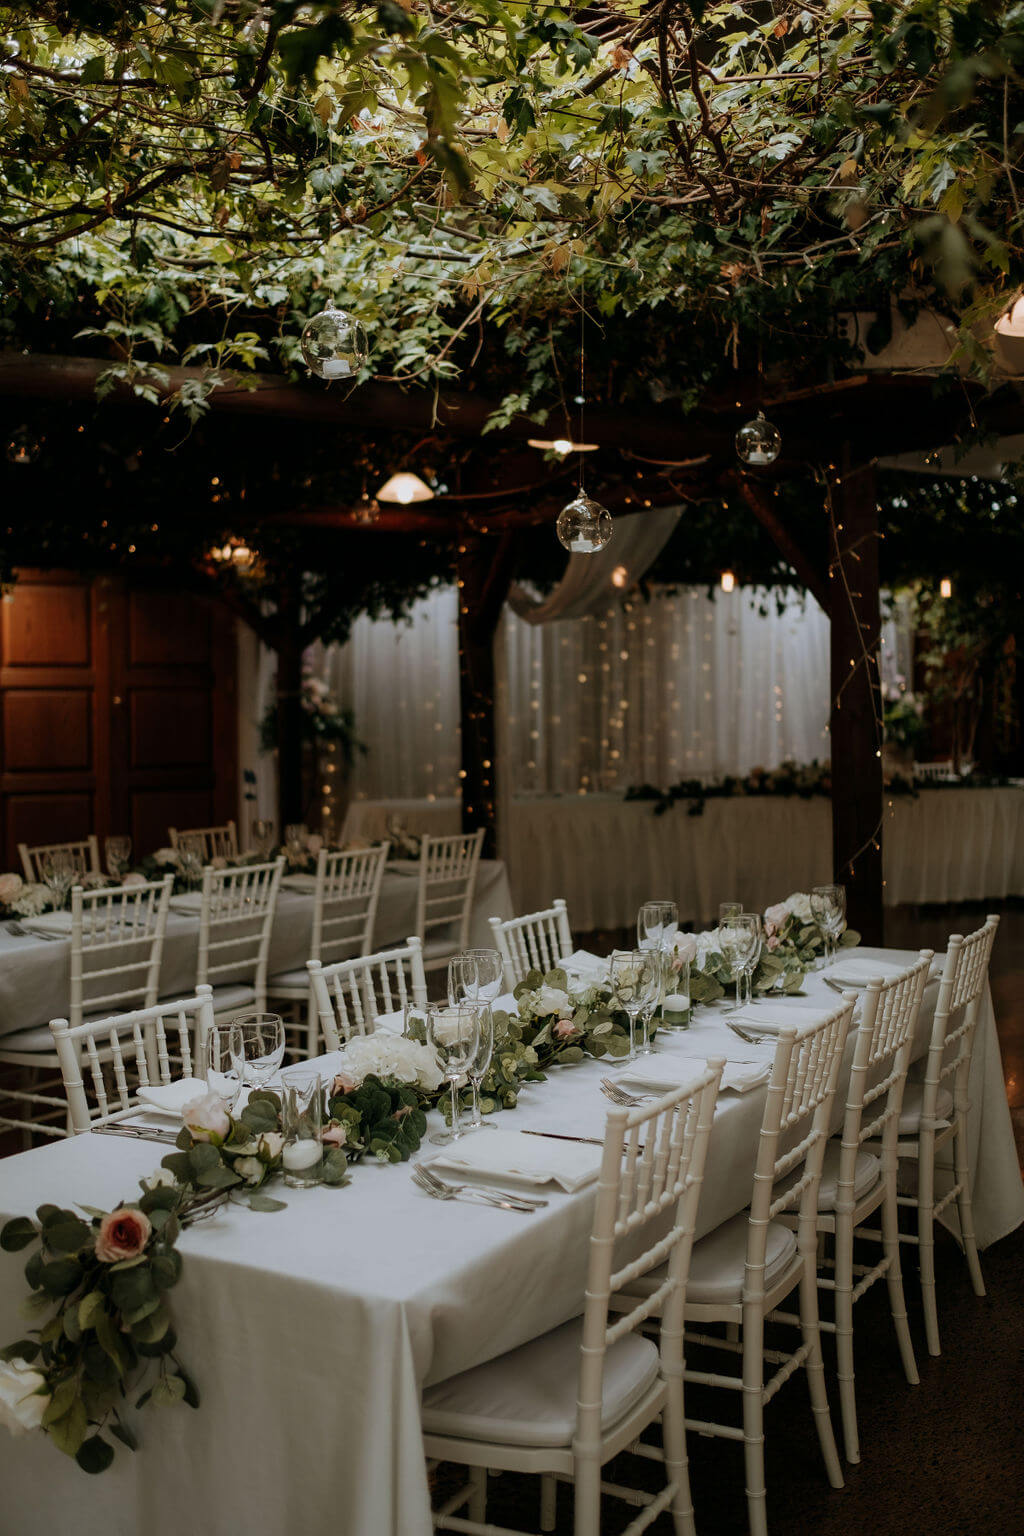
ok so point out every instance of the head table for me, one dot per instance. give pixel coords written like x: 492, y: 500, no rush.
x: 35, y: 972
x: 312, y: 1331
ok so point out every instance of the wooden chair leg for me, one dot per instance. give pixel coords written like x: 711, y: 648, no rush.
x: 587, y: 1513
x: 844, y: 1334
x: 811, y: 1335
x: 478, y: 1498
x: 548, y: 1498
x: 962, y: 1171
x: 894, y: 1280
x: 753, y: 1419
x: 926, y: 1239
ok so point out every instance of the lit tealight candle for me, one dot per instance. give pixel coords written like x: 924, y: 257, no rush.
x: 336, y: 368
x: 301, y: 1154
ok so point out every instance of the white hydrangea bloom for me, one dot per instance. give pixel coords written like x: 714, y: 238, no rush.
x: 386, y: 1055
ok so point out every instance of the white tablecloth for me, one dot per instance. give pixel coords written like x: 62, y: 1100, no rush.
x: 607, y: 856
x: 311, y: 1332
x: 35, y: 973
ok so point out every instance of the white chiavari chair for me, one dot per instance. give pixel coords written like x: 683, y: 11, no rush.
x: 218, y: 842
x: 537, y: 942
x: 566, y: 1403
x: 859, y: 1176
x: 236, y: 916
x: 104, y: 1062
x: 117, y: 938
x: 85, y: 852
x: 345, y: 899
x: 444, y: 901
x: 935, y: 1112
x: 352, y: 994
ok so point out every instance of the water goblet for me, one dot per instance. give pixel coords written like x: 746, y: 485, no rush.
x: 657, y: 924
x: 727, y: 909
x: 454, y: 1034
x: 59, y: 870
x: 221, y: 1070
x: 296, y: 835
x: 739, y: 942
x: 476, y: 975
x: 118, y: 852
x: 191, y: 853
x: 753, y: 919
x: 828, y: 908
x: 634, y: 976
x: 257, y: 1047
x: 262, y: 836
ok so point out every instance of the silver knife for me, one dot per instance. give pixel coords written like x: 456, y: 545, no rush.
x: 593, y: 1141
x: 136, y: 1133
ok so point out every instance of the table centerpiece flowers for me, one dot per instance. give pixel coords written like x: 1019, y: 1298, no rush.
x: 793, y: 943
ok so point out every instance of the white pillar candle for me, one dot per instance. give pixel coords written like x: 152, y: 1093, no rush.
x: 676, y: 1002
x: 301, y: 1154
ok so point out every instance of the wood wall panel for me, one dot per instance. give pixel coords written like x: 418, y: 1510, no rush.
x: 46, y: 818
x: 170, y: 729
x: 47, y: 731
x: 49, y: 629
x: 151, y: 811
x: 166, y: 629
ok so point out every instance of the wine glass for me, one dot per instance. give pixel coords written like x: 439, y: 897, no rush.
x: 59, y: 870
x: 256, y: 1044
x: 727, y: 909
x: 118, y: 851
x: 476, y: 975
x: 657, y: 924
x: 262, y: 836
x: 739, y: 941
x: 295, y: 835
x: 455, y: 1035
x: 828, y: 908
x: 191, y: 853
x: 753, y: 919
x: 635, y: 979
x: 221, y: 1068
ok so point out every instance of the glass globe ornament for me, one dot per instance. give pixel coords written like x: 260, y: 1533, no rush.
x: 334, y: 344
x: 366, y: 511
x: 584, y: 526
x: 758, y: 442
x: 23, y: 446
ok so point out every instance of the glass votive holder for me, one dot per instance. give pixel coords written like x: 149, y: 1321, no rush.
x: 676, y: 1010
x: 301, y: 1124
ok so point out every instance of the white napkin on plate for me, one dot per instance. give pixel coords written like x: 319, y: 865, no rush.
x: 587, y: 966
x: 305, y: 883
x: 776, y: 1015
x: 665, y: 1072
x: 171, y: 1098
x: 533, y: 1159
x: 857, y: 970
x: 49, y: 922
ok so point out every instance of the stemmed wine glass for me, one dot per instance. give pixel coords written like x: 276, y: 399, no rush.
x: 727, y: 909
x: 475, y: 975
x: 739, y: 938
x: 296, y: 834
x: 262, y: 836
x: 828, y: 908
x: 191, y: 853
x: 455, y: 1035
x: 256, y: 1045
x: 222, y: 1076
x: 635, y: 979
x: 657, y: 924
x: 59, y: 870
x: 118, y: 851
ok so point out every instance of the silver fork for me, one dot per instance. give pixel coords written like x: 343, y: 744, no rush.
x: 620, y: 1097
x: 752, y: 1036
x: 439, y: 1190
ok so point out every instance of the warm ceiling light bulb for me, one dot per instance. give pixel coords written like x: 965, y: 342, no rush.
x: 563, y: 446
x: 620, y: 576
x: 1011, y: 321
x: 728, y: 581
x: 945, y: 587
x: 405, y: 488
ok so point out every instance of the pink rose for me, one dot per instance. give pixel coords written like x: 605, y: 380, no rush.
x: 777, y: 915
x: 123, y: 1235
x: 134, y: 879
x: 334, y: 1135
x: 564, y: 1028
x: 344, y: 1084
x: 10, y: 887
x: 774, y: 941
x: 206, y: 1118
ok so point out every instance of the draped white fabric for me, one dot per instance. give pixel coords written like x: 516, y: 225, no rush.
x: 590, y: 580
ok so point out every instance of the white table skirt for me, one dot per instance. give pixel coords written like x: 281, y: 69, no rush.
x: 311, y: 1332
x: 35, y: 973
x: 607, y: 856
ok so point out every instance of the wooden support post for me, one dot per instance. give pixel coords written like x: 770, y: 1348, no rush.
x: 484, y: 569
x: 857, y: 791
x: 289, y: 646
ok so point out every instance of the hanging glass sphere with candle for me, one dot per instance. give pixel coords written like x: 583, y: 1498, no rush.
x: 584, y: 526
x: 334, y: 344
x: 23, y: 446
x: 759, y: 442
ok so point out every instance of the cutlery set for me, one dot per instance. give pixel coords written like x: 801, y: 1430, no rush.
x: 137, y: 1132
x: 438, y: 1189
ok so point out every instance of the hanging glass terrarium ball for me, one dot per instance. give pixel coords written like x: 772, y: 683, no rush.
x: 758, y: 442
x: 334, y: 344
x: 366, y: 510
x: 23, y: 446
x: 584, y: 526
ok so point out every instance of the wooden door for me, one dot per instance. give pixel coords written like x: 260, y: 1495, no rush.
x: 117, y: 712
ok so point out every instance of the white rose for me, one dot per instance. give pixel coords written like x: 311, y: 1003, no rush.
x: 134, y: 878
x: 250, y: 1169
x: 684, y: 948
x: 776, y: 915
x: 10, y: 886
x: 800, y: 906
x: 270, y: 1145
x: 167, y: 856
x: 157, y: 1178
x: 206, y: 1118
x: 31, y: 900
x: 394, y: 1056
x: 22, y: 1404
x: 552, y: 1000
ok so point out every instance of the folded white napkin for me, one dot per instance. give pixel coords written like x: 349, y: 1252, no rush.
x: 188, y: 901
x: 304, y: 883
x: 171, y: 1098
x: 857, y: 970
x: 533, y: 1159
x: 587, y: 966
x: 773, y: 1016
x: 665, y: 1072
x: 49, y: 922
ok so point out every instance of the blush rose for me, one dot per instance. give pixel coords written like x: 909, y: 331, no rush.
x: 122, y: 1235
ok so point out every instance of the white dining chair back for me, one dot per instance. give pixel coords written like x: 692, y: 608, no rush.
x: 85, y: 852
x: 235, y: 921
x: 352, y: 994
x: 537, y: 942
x: 648, y: 1191
x: 219, y: 842
x: 444, y: 901
x: 345, y: 902
x: 117, y: 940
x: 935, y: 1112
x: 104, y: 1062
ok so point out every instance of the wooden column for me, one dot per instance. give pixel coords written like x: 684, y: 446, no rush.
x: 857, y: 793
x: 290, y: 641
x: 484, y: 568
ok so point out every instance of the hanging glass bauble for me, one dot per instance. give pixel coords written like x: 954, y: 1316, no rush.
x: 23, y: 446
x: 334, y: 344
x: 584, y: 526
x: 758, y: 442
x: 366, y: 510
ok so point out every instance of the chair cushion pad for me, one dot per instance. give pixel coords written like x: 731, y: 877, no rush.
x: 717, y: 1264
x: 865, y: 1172
x: 528, y: 1397
x: 910, y: 1116
x: 297, y: 979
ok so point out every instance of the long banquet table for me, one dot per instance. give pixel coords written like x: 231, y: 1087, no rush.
x: 311, y: 1332
x: 605, y: 855
x: 35, y: 972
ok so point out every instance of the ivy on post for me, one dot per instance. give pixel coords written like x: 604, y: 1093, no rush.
x: 484, y: 568
x: 856, y: 732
